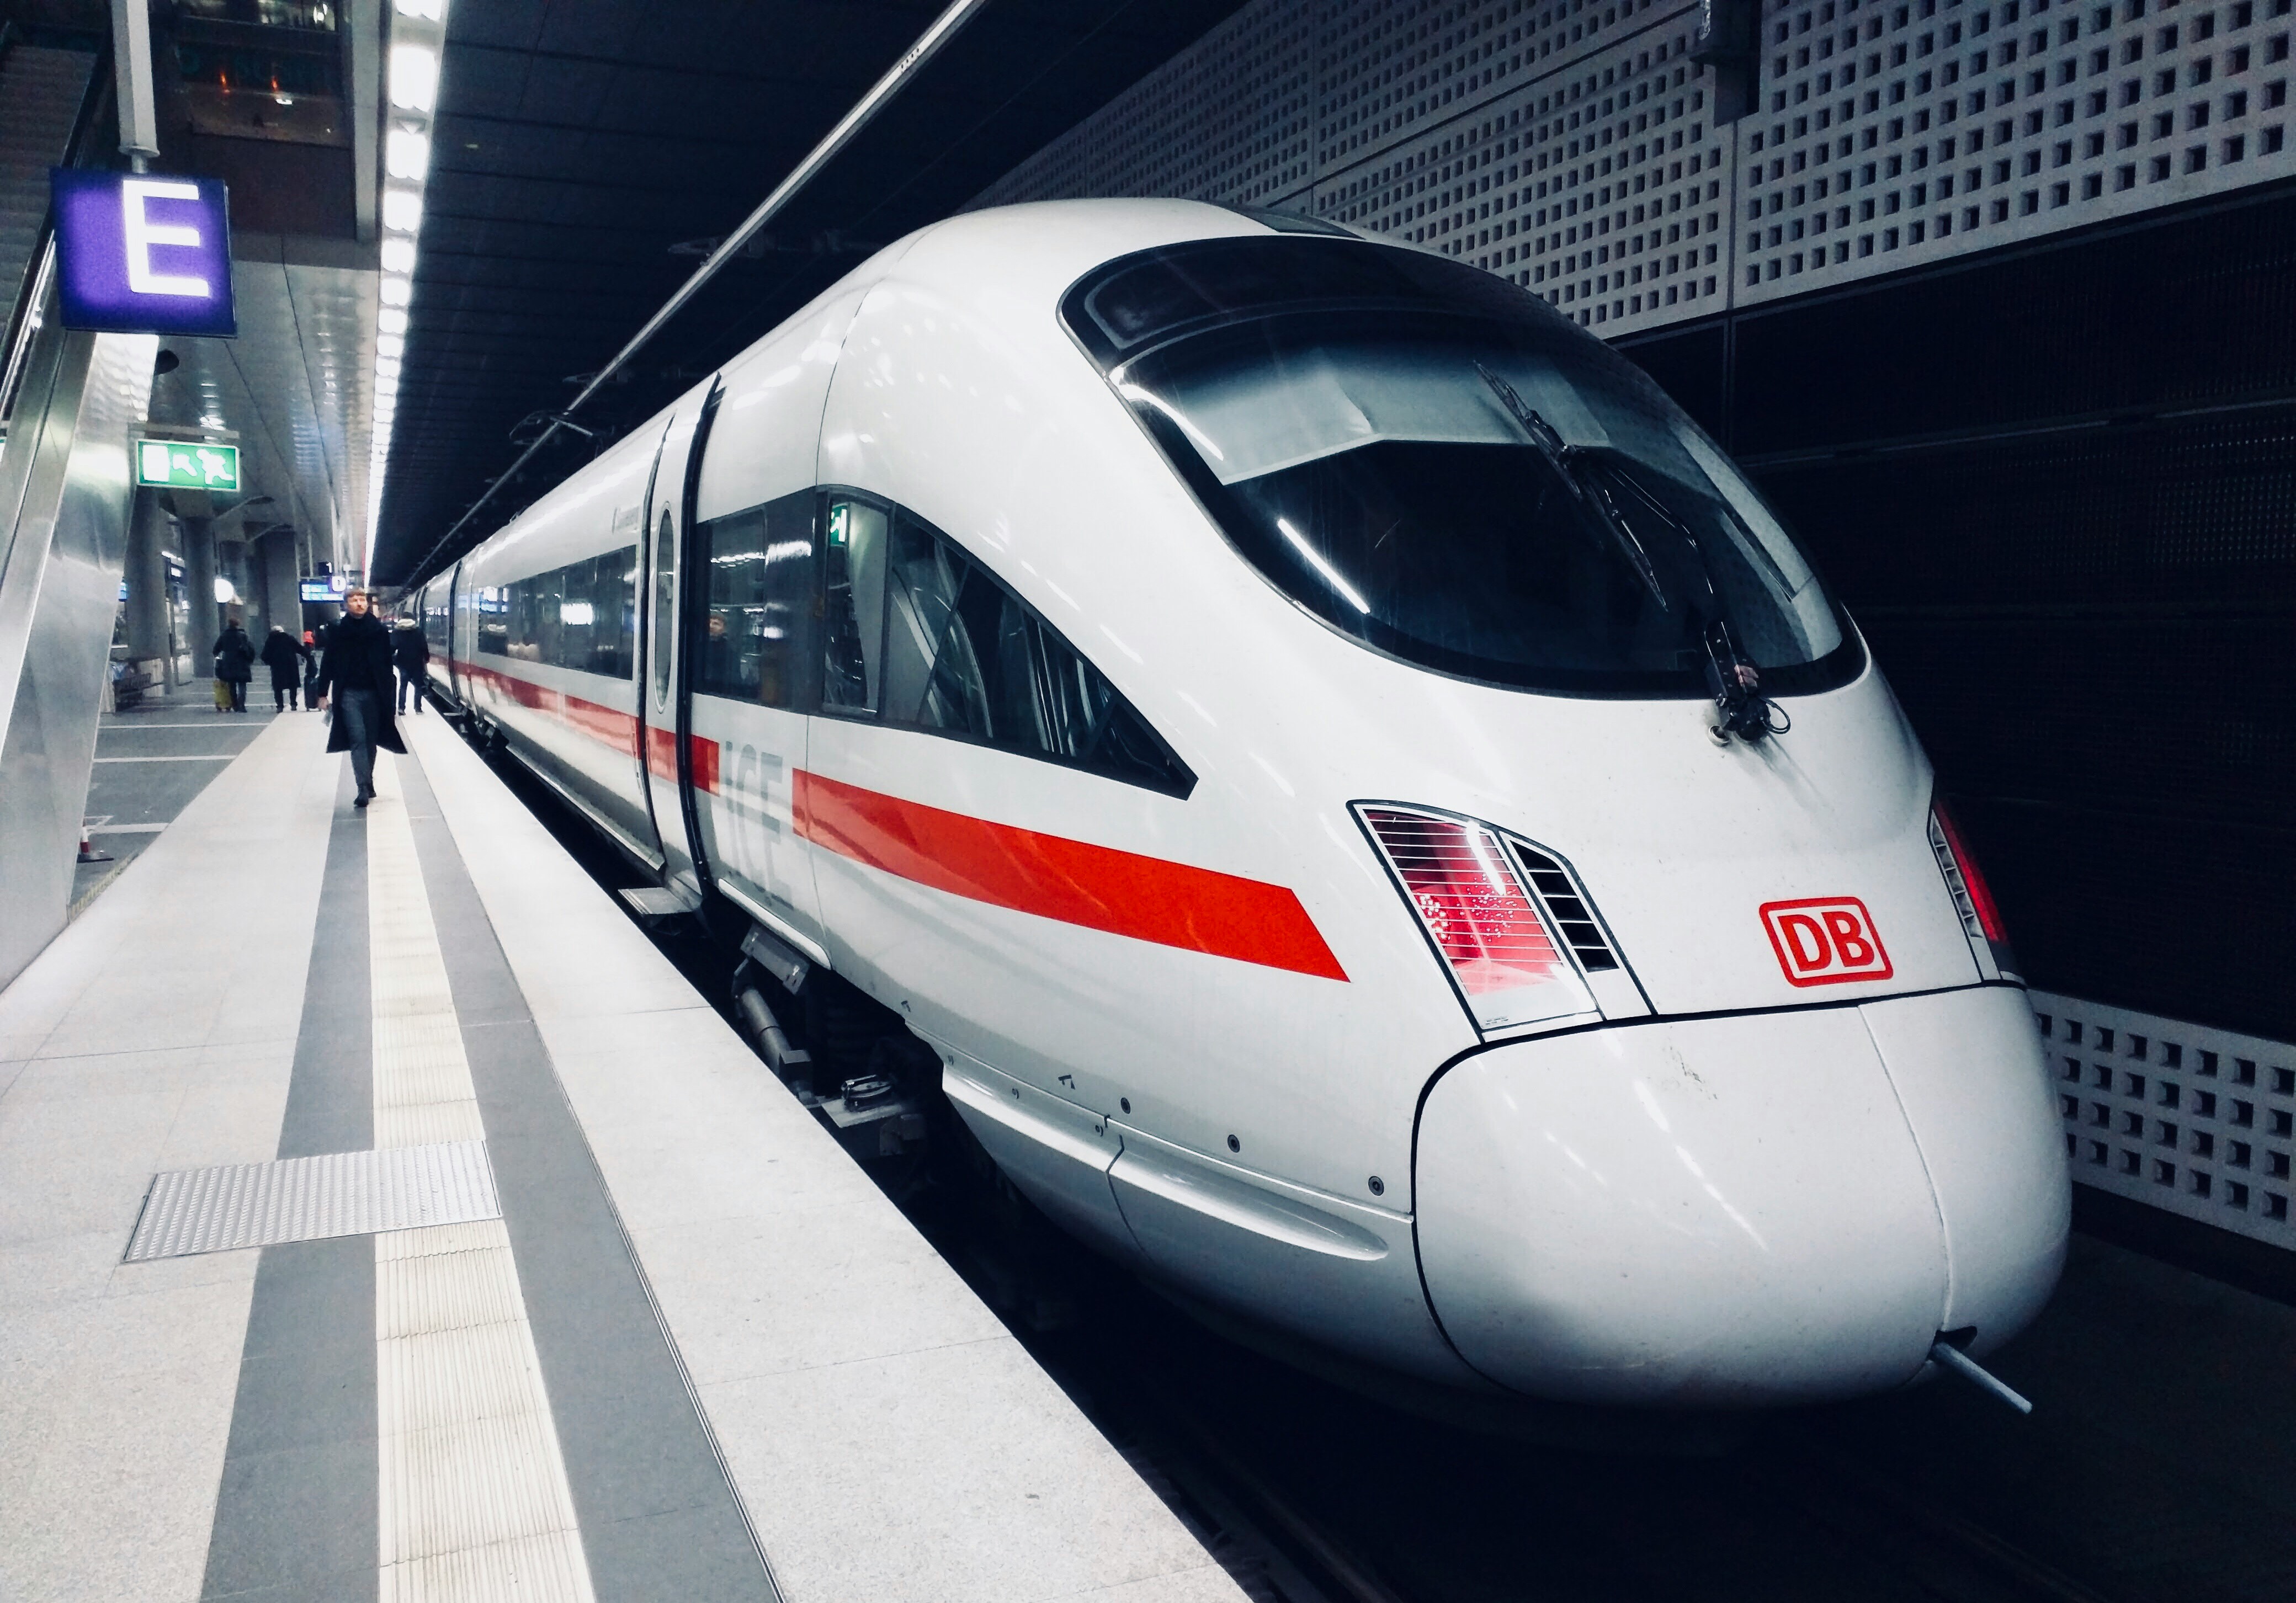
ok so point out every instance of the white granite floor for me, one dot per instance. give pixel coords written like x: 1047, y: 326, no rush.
x: 838, y: 1362
x: 158, y: 1032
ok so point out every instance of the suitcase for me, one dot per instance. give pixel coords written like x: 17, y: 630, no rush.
x: 223, y: 695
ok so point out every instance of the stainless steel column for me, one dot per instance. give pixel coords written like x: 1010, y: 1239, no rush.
x: 64, y: 500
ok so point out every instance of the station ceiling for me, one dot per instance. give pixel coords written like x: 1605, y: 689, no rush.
x: 586, y: 154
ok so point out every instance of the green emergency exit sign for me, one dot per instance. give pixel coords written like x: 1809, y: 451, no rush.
x: 173, y: 465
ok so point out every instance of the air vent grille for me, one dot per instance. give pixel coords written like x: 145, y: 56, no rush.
x: 1567, y: 908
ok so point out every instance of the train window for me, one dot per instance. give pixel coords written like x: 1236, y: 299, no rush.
x: 964, y: 656
x: 1441, y: 467
x: 435, y: 616
x: 756, y: 629
x: 614, y: 593
x: 492, y: 604
x: 665, y: 604
x: 853, y: 604
x: 581, y: 617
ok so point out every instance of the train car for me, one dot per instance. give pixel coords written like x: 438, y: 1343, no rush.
x: 1382, y: 828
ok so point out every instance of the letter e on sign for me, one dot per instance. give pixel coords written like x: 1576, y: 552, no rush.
x: 1826, y: 941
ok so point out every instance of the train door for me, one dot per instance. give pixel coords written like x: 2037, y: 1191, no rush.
x: 673, y: 774
x: 754, y: 677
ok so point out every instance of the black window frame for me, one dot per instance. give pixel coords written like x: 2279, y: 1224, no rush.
x: 1180, y: 780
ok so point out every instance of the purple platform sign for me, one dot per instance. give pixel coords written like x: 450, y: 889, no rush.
x: 141, y: 254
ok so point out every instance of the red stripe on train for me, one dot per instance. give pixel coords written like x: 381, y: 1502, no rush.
x: 608, y: 726
x: 1099, y: 887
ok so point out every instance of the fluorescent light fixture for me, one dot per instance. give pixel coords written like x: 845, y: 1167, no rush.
x: 1316, y: 560
x: 398, y: 255
x: 396, y: 292
x: 390, y: 320
x: 407, y: 154
x: 386, y: 369
x: 390, y: 345
x: 414, y: 77
x: 402, y: 209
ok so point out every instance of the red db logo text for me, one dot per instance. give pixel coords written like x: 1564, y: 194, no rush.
x: 1824, y: 940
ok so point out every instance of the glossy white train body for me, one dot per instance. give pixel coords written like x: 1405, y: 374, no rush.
x: 1754, y: 1131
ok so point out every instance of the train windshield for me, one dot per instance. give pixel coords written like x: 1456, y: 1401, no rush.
x: 1450, y: 473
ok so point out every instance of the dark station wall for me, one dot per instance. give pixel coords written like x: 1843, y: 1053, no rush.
x: 2057, y: 486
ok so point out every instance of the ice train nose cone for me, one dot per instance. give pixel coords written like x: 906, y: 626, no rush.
x: 1718, y: 1213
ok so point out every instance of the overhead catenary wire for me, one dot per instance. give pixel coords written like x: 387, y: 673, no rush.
x: 864, y: 109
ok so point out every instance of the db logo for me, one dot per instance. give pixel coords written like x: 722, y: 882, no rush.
x: 1824, y: 940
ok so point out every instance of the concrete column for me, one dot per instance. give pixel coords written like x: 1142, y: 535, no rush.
x: 234, y: 563
x: 198, y: 580
x: 281, y: 574
x: 147, y: 584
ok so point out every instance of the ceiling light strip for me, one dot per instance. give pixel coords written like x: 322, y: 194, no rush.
x: 418, y: 39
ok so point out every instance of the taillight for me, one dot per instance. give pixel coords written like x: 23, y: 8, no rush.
x: 1973, y: 899
x: 1507, y: 964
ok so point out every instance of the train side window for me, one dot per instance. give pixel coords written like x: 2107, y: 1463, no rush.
x: 614, y: 596
x: 546, y: 593
x: 732, y: 554
x: 492, y: 604
x: 756, y: 629
x: 853, y: 604
x: 965, y: 656
x: 578, y: 616
x: 665, y: 604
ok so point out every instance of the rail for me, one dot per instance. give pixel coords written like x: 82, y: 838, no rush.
x: 865, y: 110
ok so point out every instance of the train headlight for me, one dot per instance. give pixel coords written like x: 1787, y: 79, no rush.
x: 1506, y: 956
x: 1973, y: 899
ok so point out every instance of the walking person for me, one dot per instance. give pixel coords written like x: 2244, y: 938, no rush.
x: 310, y: 670
x: 356, y: 669
x: 411, y: 650
x: 235, y: 664
x: 283, y: 655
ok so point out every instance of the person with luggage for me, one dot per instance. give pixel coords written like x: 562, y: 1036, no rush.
x: 411, y: 650
x: 356, y: 669
x: 283, y: 655
x: 234, y: 665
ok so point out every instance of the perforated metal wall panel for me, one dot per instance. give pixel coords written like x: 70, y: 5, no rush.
x: 2200, y: 1122
x: 1572, y: 147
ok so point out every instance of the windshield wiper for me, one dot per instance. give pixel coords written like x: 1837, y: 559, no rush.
x: 1563, y: 458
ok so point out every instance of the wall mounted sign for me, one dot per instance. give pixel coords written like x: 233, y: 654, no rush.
x: 140, y: 254
x: 175, y: 464
x: 325, y: 588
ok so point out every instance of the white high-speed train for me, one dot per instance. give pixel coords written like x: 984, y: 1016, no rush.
x: 1382, y: 830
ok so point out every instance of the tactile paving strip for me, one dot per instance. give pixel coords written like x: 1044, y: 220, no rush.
x: 310, y: 1198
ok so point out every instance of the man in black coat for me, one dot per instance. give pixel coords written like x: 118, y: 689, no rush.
x: 411, y: 651
x: 356, y: 669
x: 234, y: 662
x: 283, y: 655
